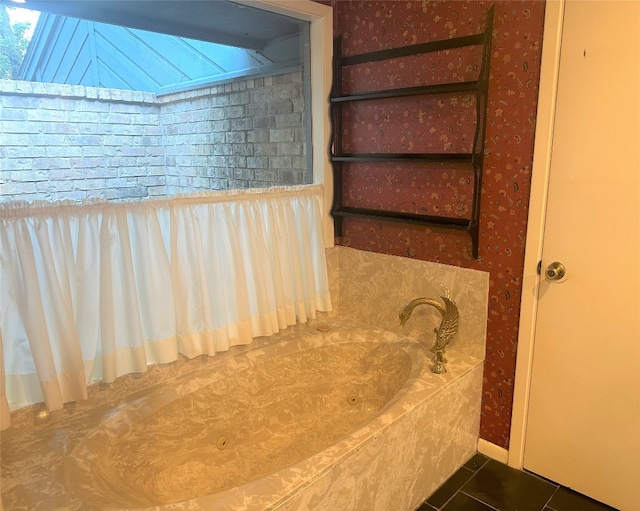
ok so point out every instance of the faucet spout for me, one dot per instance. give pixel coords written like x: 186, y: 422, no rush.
x: 445, y: 332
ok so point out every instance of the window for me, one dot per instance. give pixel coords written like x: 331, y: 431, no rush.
x: 239, y: 119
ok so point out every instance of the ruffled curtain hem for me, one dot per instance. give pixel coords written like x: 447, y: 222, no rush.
x: 85, y: 285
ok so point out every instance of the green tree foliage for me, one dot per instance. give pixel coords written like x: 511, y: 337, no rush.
x: 13, y: 45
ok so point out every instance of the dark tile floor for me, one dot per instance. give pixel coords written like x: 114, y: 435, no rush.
x: 483, y: 484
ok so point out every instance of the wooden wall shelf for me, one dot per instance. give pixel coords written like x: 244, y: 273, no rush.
x: 474, y: 159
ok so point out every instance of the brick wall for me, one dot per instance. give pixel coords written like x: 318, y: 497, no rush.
x: 236, y: 135
x: 72, y: 142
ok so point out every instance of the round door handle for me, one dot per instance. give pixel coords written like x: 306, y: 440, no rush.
x: 555, y: 271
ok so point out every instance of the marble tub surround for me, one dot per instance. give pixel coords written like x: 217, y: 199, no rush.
x: 398, y: 469
x: 402, y: 452
x: 332, y: 256
x: 373, y: 287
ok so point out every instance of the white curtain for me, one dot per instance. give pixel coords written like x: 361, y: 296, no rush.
x: 92, y: 292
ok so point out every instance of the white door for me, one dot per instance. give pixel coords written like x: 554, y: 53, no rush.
x: 583, y: 424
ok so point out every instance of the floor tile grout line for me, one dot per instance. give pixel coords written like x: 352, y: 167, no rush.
x: 478, y: 500
x: 549, y: 481
x: 548, y: 503
x: 455, y: 492
x: 541, y: 478
x: 459, y: 490
x: 481, y: 464
x: 480, y: 467
x: 535, y: 476
x: 473, y: 473
x: 448, y: 500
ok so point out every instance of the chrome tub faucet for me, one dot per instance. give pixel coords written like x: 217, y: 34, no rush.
x: 448, y: 326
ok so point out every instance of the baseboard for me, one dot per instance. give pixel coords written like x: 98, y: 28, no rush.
x: 493, y: 451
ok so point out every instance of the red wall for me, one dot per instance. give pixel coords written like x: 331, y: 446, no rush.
x: 444, y: 125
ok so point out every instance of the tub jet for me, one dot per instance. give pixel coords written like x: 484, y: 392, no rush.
x: 222, y: 442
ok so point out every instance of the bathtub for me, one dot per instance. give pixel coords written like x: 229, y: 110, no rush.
x: 331, y: 416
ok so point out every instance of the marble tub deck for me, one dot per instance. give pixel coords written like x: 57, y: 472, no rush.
x: 391, y: 462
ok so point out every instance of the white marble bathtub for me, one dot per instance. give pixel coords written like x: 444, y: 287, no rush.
x: 332, y: 416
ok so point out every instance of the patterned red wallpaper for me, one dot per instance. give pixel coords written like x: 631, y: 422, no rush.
x: 445, y: 123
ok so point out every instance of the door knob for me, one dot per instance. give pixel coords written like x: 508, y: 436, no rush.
x: 555, y: 271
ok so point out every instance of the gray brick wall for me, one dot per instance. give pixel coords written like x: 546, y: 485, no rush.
x: 62, y: 142
x: 71, y: 142
x: 249, y: 133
